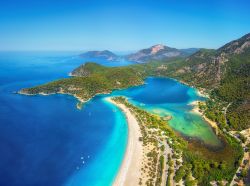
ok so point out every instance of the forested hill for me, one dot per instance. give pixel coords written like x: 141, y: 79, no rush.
x: 225, y: 73
x: 207, y: 68
x: 92, y: 79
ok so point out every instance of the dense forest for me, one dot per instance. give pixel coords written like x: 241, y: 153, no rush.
x: 196, y: 163
x: 102, y: 81
x: 224, y: 74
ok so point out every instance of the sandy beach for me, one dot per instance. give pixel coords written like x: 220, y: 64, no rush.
x: 129, y: 172
x: 197, y: 111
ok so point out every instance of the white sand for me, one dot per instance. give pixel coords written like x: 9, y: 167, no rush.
x: 130, y: 169
x: 210, y: 122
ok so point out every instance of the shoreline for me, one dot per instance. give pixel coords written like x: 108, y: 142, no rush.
x: 196, y: 110
x: 81, y: 100
x: 61, y: 92
x: 200, y: 91
x: 129, y: 171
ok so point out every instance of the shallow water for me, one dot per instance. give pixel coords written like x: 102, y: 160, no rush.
x: 45, y: 140
x: 164, y: 97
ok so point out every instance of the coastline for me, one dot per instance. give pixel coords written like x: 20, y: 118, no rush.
x: 79, y: 98
x: 129, y: 172
x: 60, y: 92
x: 199, y: 112
x: 200, y: 91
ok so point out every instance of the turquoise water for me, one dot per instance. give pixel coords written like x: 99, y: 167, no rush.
x: 103, y: 169
x: 164, y: 97
x: 45, y: 140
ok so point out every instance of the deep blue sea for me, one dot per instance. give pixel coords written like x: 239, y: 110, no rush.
x: 46, y: 140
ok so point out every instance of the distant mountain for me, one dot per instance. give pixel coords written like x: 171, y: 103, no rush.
x: 159, y: 52
x: 105, y: 54
x: 224, y: 72
x: 189, y: 51
x: 156, y: 52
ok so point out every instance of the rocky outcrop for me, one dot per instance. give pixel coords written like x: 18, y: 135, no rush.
x: 236, y: 47
x: 208, y: 67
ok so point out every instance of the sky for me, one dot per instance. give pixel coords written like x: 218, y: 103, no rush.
x: 80, y: 25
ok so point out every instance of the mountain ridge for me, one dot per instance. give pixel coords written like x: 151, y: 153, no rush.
x: 224, y: 73
x: 159, y: 52
x: 155, y: 52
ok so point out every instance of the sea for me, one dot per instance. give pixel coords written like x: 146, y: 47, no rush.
x: 46, y: 140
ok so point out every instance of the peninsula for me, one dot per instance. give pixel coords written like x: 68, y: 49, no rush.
x: 223, y: 74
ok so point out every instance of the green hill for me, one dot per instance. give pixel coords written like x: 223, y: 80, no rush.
x: 93, y: 79
x: 223, y: 73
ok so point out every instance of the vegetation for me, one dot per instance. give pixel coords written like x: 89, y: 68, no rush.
x: 206, y: 170
x: 206, y: 165
x: 233, y: 88
x: 180, y: 173
x: 226, y: 79
x: 170, y: 170
x: 160, y: 170
x: 203, y: 164
x: 224, y: 74
x: 103, y: 80
x: 152, y: 129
